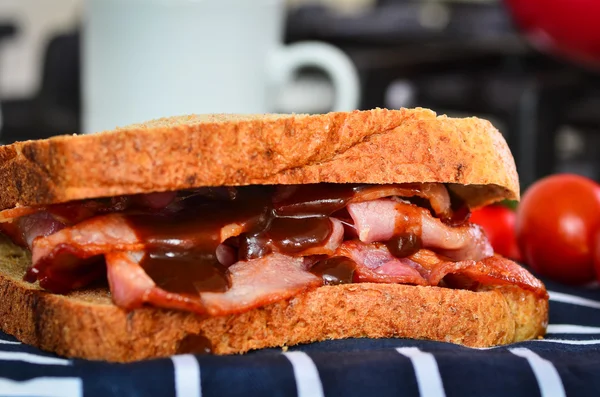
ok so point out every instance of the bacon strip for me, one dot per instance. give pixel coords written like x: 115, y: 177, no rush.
x: 381, y: 219
x: 36, y: 225
x: 493, y: 270
x: 458, y: 243
x: 435, y: 193
x: 66, y: 269
x: 259, y: 282
x: 10, y: 214
x: 310, y: 199
x: 94, y: 236
x: 254, y: 283
x: 374, y: 263
x: 332, y: 243
x: 129, y: 283
x: 73, y: 212
x: 59, y: 253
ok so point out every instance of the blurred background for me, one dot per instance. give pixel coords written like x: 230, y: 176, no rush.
x: 535, y: 78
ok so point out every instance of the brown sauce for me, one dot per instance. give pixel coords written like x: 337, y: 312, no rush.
x: 407, y: 231
x: 312, y: 199
x: 181, y: 246
x: 181, y: 239
x: 182, y: 242
x: 187, y: 275
x: 294, y: 235
x: 335, y: 271
x: 253, y: 246
x: 195, y: 344
x: 404, y: 245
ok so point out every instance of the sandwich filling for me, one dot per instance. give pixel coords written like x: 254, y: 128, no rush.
x: 226, y: 250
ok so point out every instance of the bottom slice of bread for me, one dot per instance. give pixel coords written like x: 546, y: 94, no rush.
x: 86, y: 324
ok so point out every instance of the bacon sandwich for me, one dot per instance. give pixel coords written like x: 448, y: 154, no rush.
x: 229, y: 233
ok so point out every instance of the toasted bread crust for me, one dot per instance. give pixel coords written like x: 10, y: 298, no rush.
x: 86, y: 324
x: 376, y: 146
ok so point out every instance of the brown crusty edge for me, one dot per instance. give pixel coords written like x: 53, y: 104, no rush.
x: 375, y: 146
x: 86, y: 324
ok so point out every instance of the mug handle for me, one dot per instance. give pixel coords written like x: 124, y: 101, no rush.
x: 287, y: 59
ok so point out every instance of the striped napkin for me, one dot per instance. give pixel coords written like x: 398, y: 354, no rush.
x: 566, y: 362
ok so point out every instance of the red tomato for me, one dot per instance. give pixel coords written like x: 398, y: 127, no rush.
x: 568, y: 27
x: 556, y: 222
x: 596, y: 250
x: 499, y: 225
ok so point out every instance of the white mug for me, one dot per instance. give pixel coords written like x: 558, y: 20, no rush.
x: 145, y: 59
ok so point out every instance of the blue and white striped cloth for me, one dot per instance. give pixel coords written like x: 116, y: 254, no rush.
x: 566, y: 362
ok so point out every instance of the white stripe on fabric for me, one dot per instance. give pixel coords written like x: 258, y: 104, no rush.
x: 187, y: 376
x: 42, y: 387
x: 573, y: 299
x: 570, y: 342
x: 426, y: 371
x: 545, y: 372
x: 8, y: 342
x: 33, y: 358
x: 308, y: 382
x: 571, y: 329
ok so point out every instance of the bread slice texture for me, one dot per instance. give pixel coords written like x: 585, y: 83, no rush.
x: 375, y: 146
x: 86, y: 324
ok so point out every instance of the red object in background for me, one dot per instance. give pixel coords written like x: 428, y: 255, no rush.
x: 567, y: 27
x: 596, y: 249
x: 556, y: 223
x: 499, y: 225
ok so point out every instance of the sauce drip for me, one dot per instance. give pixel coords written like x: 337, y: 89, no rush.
x: 294, y: 235
x: 201, y: 274
x: 195, y: 344
x: 182, y: 245
x: 336, y: 270
x: 404, y: 245
x: 407, y: 231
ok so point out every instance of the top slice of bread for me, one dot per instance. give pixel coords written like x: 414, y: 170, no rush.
x: 375, y: 146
